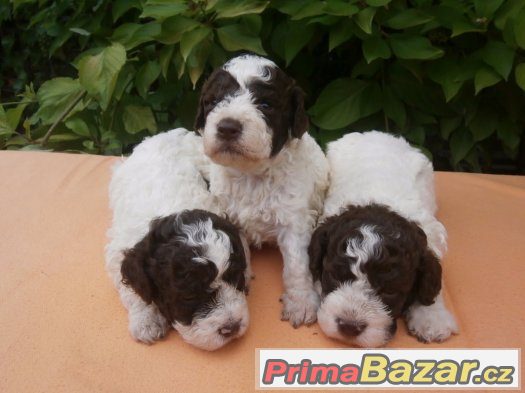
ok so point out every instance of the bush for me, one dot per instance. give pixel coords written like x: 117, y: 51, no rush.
x: 448, y: 75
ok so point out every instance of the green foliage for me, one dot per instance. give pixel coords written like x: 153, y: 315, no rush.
x: 449, y: 75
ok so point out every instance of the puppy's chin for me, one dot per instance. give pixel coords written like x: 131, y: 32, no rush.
x: 235, y: 157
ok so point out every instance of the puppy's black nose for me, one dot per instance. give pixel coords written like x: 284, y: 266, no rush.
x: 230, y: 329
x: 229, y: 129
x: 350, y: 328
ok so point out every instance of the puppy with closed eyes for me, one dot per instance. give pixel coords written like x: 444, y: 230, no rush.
x: 376, y: 254
x: 193, y: 267
x: 188, y: 269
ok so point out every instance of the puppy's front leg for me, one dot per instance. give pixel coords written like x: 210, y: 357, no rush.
x: 431, y: 323
x: 300, y: 300
x: 146, y: 323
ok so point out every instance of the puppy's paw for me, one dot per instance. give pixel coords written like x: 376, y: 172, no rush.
x: 147, y: 325
x: 430, y: 323
x: 300, y: 307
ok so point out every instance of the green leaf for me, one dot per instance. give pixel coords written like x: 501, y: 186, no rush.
x: 80, y: 31
x: 483, y: 124
x: 485, y: 77
x: 394, y: 108
x: 408, y: 18
x: 310, y: 9
x: 161, y: 9
x: 364, y: 19
x: 5, y: 127
x: 519, y: 73
x: 54, y: 96
x: 413, y: 47
x: 137, y: 118
x: 447, y: 73
x: 232, y: 9
x: 415, y: 135
x: 340, y: 8
x: 297, y: 37
x: 519, y: 29
x: 448, y: 125
x: 165, y: 55
x: 98, y: 73
x: 197, y: 61
x: 461, y: 142
x: 345, y: 101
x: 487, y: 8
x: 375, y: 48
x: 191, y: 39
x: 133, y: 34
x: 234, y: 37
x: 120, y: 7
x: 509, y: 10
x: 173, y: 28
x: 509, y: 133
x: 14, y: 115
x: 499, y: 56
x: 252, y: 23
x: 462, y: 26
x: 78, y: 126
x: 146, y: 75
x: 339, y: 34
x: 377, y: 3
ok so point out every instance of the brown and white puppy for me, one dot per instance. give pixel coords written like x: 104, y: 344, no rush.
x: 269, y: 175
x: 375, y: 256
x: 193, y: 267
x: 189, y: 269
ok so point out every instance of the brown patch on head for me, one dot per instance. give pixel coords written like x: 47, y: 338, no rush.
x: 281, y: 102
x: 401, y: 270
x: 220, y: 84
x: 161, y: 268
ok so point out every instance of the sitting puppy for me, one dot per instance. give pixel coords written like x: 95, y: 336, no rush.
x: 191, y: 269
x: 376, y: 254
x: 270, y: 176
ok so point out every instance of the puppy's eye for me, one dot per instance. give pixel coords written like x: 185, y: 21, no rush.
x: 389, y: 293
x: 264, y: 105
x: 212, y: 102
x: 188, y: 297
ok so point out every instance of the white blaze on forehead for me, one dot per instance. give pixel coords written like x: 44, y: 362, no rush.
x: 247, y: 67
x: 215, y: 243
x: 363, y: 249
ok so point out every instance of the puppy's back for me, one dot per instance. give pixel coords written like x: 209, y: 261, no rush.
x: 165, y: 174
x: 375, y: 167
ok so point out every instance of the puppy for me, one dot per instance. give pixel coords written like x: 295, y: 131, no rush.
x: 376, y: 255
x: 191, y: 270
x: 269, y: 175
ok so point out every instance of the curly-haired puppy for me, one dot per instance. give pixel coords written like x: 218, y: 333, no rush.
x: 188, y: 270
x: 376, y: 256
x: 269, y: 176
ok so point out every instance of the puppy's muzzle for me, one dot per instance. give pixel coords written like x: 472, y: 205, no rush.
x: 230, y: 329
x: 229, y: 129
x: 350, y: 328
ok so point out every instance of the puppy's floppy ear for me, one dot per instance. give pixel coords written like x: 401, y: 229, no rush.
x: 428, y: 279
x: 317, y: 250
x: 200, y: 117
x: 299, y: 121
x: 133, y: 270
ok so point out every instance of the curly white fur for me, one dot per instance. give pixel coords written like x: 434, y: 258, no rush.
x: 279, y: 202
